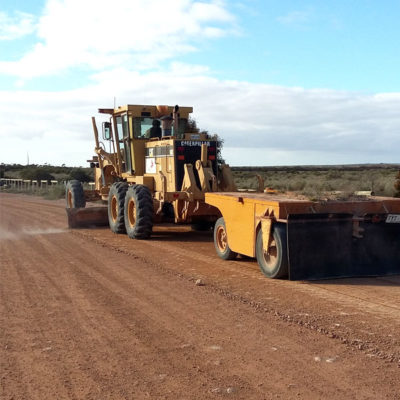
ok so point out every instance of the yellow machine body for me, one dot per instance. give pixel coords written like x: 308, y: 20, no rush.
x: 178, y: 167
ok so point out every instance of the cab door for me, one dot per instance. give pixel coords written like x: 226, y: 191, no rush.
x: 124, y: 142
x: 140, y: 133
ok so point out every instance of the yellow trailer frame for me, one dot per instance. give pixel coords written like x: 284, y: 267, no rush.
x: 319, y: 239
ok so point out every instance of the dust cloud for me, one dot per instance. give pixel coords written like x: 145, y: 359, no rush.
x: 16, y: 235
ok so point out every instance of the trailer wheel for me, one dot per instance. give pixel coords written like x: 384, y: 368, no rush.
x: 139, y: 211
x: 221, y: 241
x: 74, y: 195
x: 274, y: 263
x: 116, y: 199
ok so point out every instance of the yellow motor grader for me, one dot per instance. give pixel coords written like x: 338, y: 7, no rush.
x: 153, y: 171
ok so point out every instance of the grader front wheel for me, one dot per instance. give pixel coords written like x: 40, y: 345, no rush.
x: 74, y: 195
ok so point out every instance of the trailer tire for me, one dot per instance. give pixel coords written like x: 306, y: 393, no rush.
x: 275, y: 264
x: 139, y: 211
x: 74, y: 195
x: 221, y: 241
x: 116, y: 201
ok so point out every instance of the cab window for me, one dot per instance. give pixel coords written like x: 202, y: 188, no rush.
x: 141, y: 127
x: 120, y: 129
x: 123, y: 139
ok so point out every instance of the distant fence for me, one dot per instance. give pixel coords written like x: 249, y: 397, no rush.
x: 26, y: 185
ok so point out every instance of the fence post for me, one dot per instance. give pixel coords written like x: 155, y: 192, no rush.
x: 43, y: 185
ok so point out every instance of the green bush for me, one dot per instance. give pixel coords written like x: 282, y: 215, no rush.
x: 80, y: 175
x: 36, y: 174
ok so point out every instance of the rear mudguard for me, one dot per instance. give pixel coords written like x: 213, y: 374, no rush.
x: 87, y: 217
x: 323, y: 246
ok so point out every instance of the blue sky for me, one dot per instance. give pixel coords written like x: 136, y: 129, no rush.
x: 283, y: 82
x: 344, y: 45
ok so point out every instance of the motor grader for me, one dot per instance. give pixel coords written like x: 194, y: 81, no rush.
x: 152, y: 171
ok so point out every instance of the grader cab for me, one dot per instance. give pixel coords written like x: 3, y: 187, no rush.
x: 148, y: 168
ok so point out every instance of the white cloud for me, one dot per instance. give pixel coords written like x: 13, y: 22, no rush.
x: 98, y: 35
x: 17, y: 26
x: 261, y: 124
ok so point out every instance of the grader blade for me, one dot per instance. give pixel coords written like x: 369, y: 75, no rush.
x: 322, y: 246
x: 87, y: 217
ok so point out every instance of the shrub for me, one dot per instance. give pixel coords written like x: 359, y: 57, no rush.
x: 317, y: 183
x: 36, y: 173
x: 80, y: 175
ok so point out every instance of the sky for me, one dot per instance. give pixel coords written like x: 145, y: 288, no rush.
x: 282, y: 82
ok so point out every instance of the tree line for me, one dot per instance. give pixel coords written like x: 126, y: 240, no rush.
x: 45, y: 172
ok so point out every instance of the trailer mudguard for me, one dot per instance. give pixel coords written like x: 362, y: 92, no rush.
x: 322, y: 246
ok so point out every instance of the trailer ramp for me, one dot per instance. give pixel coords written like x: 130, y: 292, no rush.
x: 322, y: 246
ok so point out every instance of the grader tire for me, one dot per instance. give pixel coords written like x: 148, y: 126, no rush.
x: 274, y: 262
x: 221, y: 241
x: 74, y: 195
x: 116, y: 201
x: 138, y: 212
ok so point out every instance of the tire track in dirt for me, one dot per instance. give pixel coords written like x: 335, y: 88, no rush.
x: 339, y: 317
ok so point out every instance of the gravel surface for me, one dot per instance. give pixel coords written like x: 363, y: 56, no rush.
x: 88, y: 314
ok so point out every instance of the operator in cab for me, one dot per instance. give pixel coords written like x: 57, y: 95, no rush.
x: 155, y: 130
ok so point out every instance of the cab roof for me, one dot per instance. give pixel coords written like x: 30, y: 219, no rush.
x: 151, y: 111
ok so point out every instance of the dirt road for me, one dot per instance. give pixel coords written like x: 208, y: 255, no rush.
x: 87, y: 314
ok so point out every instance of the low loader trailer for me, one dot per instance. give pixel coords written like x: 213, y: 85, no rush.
x: 301, y: 239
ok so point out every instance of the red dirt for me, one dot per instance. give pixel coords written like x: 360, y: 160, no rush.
x: 87, y: 314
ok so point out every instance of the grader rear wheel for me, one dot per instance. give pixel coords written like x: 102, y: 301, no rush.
x: 131, y: 210
x: 139, y: 210
x: 116, y: 201
x: 74, y: 195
